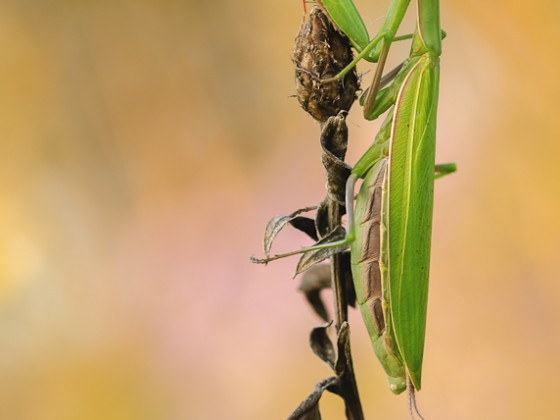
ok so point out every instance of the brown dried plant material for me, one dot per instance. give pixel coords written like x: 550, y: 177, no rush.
x: 334, y: 141
x: 321, y: 52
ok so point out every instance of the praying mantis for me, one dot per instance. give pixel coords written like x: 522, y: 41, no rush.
x: 394, y: 207
x: 390, y: 220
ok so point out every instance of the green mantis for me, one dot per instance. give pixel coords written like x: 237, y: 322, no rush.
x: 391, y: 235
x: 390, y: 220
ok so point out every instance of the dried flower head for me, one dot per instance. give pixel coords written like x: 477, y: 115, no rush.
x: 321, y: 52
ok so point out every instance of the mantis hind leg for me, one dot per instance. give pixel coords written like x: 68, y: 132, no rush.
x: 443, y: 169
x: 440, y: 170
x: 342, y: 244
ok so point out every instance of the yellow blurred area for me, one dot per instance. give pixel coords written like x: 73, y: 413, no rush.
x: 144, y: 146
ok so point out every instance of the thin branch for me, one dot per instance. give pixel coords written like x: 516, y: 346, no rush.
x: 348, y: 380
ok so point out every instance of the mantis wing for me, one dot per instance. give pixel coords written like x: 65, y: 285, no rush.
x: 410, y: 195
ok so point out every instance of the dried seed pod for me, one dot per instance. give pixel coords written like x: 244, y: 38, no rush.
x: 321, y: 52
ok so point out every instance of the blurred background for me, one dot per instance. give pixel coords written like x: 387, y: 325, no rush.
x: 144, y: 146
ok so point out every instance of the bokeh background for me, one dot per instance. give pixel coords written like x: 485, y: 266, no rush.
x: 144, y: 146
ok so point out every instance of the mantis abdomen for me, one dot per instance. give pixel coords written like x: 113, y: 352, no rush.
x: 370, y: 274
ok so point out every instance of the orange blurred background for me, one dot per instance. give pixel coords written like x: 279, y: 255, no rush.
x: 146, y: 144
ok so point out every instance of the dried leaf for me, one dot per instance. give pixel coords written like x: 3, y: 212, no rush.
x: 322, y: 218
x: 273, y: 227
x: 306, y: 225
x: 322, y: 345
x: 303, y: 210
x: 310, y: 258
x: 309, y: 408
x: 312, y: 282
x: 334, y: 136
x: 343, y: 347
x: 334, y: 140
x: 346, y: 279
x: 277, y: 223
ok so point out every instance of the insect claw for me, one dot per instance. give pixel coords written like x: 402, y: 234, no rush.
x: 256, y: 260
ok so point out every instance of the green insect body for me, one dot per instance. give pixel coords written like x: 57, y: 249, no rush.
x: 369, y: 268
x: 392, y: 227
x: 410, y: 204
x: 387, y: 96
x: 391, y: 235
x: 345, y: 15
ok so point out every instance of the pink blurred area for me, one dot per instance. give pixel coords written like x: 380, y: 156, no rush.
x: 145, y: 145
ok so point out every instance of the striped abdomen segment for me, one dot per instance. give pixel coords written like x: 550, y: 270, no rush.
x: 367, y: 261
x: 366, y: 249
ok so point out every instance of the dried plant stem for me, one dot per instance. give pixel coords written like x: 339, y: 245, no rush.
x: 340, y: 301
x: 348, y: 379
